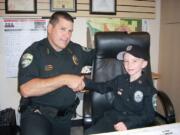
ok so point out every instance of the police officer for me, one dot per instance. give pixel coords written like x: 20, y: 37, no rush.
x: 48, y: 78
x: 134, y: 96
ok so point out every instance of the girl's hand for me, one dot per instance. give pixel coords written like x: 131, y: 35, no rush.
x: 120, y: 126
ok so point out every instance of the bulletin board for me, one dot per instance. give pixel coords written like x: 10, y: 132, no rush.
x: 16, y: 36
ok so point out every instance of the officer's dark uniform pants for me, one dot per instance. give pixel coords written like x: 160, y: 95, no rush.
x: 34, y: 123
x: 103, y: 125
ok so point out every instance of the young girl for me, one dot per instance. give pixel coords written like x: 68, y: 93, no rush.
x: 132, y: 106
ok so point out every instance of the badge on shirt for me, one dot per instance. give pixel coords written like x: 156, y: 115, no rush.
x: 27, y: 59
x: 75, y: 60
x: 138, y: 96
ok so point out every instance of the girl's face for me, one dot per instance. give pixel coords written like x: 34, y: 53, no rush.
x: 134, y: 65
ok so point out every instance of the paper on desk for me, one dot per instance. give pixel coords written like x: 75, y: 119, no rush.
x: 168, y: 129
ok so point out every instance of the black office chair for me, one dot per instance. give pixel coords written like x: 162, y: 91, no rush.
x: 106, y: 67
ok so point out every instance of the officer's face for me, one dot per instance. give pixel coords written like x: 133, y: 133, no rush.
x: 60, y: 34
x: 134, y: 65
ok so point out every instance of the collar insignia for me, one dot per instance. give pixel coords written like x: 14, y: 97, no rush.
x: 48, y: 51
x: 75, y: 60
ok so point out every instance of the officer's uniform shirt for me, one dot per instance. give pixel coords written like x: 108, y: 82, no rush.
x: 40, y: 60
x: 133, y: 101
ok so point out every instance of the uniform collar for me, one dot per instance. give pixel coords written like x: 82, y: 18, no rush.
x: 140, y: 80
x: 50, y: 50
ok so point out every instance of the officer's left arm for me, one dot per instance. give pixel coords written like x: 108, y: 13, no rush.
x: 147, y: 115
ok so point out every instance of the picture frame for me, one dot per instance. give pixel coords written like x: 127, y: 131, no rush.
x: 21, y: 6
x: 63, y: 5
x: 107, y: 7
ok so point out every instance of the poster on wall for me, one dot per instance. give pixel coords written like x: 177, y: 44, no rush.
x: 18, y: 34
x: 111, y: 24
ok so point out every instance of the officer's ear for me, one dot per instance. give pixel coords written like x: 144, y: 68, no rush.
x: 49, y: 28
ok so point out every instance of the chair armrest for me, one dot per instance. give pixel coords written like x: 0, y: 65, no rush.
x: 167, y: 106
x: 87, y: 110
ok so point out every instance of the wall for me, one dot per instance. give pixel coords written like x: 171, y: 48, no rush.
x: 125, y: 8
x: 8, y: 86
x: 169, y: 63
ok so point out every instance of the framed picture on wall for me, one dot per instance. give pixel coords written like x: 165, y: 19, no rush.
x: 63, y: 5
x: 21, y: 6
x: 107, y: 7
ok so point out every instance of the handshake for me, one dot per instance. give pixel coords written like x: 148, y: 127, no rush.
x: 75, y: 82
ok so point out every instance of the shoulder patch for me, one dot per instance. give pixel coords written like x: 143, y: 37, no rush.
x: 27, y: 59
x: 86, y: 49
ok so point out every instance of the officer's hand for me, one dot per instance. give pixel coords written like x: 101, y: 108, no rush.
x: 75, y: 82
x: 81, y: 85
x: 120, y: 126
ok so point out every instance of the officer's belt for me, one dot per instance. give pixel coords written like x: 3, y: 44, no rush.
x: 54, y: 112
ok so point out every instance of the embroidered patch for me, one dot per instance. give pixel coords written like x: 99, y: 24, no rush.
x: 129, y: 48
x: 27, y: 59
x: 138, y: 96
x: 154, y: 101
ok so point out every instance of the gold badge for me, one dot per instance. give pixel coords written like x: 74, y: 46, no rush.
x: 75, y: 60
x: 48, y: 67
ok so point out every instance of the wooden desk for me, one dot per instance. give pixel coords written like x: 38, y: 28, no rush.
x: 167, y: 129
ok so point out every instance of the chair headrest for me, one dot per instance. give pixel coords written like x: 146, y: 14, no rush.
x: 109, y: 44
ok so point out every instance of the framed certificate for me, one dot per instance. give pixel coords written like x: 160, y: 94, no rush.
x: 21, y: 6
x: 103, y: 7
x: 63, y: 5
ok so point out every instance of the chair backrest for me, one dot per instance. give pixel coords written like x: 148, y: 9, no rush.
x: 106, y: 66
